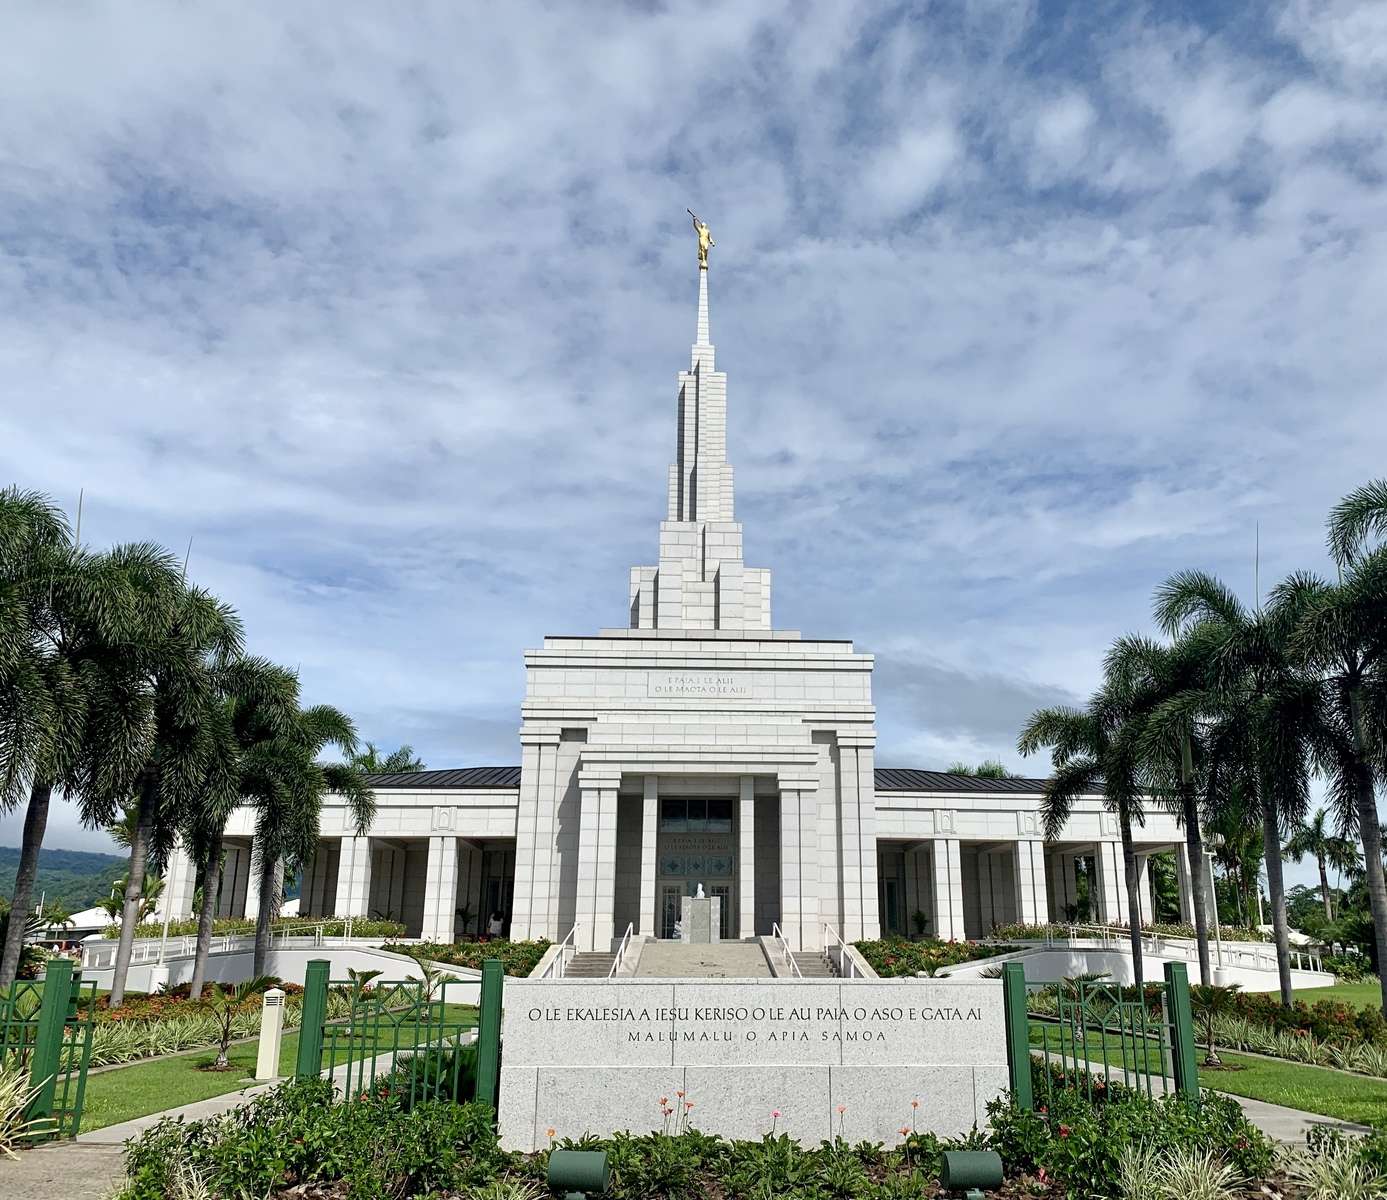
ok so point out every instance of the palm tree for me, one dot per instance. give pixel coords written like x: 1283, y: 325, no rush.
x: 1264, y: 712
x: 398, y: 762
x: 114, y: 904
x: 1173, y: 753
x: 1093, y: 750
x: 259, y: 703
x: 1313, y: 837
x: 1210, y: 1002
x: 1341, y: 634
x: 172, y: 690
x: 286, y: 813
x: 989, y: 768
x: 226, y: 1003
x: 67, y: 618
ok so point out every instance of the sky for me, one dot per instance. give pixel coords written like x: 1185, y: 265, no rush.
x: 1023, y: 308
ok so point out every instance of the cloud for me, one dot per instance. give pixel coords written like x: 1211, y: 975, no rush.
x: 1021, y: 312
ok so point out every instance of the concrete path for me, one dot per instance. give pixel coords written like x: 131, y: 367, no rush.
x: 66, y: 1171
x: 716, y: 960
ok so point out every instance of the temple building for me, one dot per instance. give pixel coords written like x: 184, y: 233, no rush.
x: 700, y: 744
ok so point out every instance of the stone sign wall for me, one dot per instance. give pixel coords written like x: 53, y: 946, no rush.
x: 864, y: 1058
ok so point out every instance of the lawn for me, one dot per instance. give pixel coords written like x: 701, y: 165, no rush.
x: 1295, y: 1085
x: 143, y: 1088
x: 1365, y: 991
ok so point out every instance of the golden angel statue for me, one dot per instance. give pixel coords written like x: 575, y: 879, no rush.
x: 705, y: 239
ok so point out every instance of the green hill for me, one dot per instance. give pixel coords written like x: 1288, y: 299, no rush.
x: 76, y: 879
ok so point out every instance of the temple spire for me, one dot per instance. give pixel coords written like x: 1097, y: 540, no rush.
x: 702, y: 338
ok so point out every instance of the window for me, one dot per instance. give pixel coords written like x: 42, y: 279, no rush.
x: 674, y: 817
x: 719, y: 816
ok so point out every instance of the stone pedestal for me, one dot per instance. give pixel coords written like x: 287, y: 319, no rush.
x: 701, y: 919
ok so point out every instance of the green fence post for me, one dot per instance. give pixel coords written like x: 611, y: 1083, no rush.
x: 1018, y: 1034
x: 489, y: 1032
x: 311, y: 1017
x: 1182, y: 1051
x: 48, y: 1037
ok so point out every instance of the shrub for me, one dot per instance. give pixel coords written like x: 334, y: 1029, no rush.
x: 331, y: 926
x: 517, y: 958
x: 899, y: 956
x: 16, y: 1095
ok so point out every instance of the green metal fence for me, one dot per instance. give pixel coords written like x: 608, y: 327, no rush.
x: 1092, y: 1033
x: 421, y: 1039
x: 41, y: 1031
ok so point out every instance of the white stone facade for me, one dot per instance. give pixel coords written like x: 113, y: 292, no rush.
x: 698, y: 744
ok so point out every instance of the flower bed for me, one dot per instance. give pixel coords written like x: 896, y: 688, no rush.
x: 1038, y: 933
x: 517, y: 958
x: 162, y: 1005
x: 1328, y: 1020
x: 898, y: 956
x: 295, y: 1140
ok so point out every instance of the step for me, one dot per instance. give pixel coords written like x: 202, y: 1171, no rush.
x: 813, y: 965
x: 590, y: 965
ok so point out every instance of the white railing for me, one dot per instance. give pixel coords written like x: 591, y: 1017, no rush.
x: 101, y: 954
x: 622, y: 949
x: 786, y: 953
x: 845, y: 963
x: 1258, y: 955
x: 566, y: 950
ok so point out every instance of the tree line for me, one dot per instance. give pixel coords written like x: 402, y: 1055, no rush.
x: 129, y: 690
x: 1226, y: 718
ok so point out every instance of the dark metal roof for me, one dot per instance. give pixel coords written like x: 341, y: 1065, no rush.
x: 907, y: 779
x: 459, y: 777
x: 888, y: 779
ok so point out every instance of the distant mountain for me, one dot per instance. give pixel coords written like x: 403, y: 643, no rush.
x: 77, y: 879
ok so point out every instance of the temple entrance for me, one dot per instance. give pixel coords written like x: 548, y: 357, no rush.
x: 696, y: 845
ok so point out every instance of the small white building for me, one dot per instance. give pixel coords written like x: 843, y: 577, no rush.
x: 701, y: 744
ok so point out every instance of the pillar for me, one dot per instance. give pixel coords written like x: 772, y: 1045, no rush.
x: 180, y: 880
x: 650, y: 831
x: 1182, y: 878
x: 791, y: 890
x: 253, y: 883
x: 353, y: 878
x: 440, y: 889
x: 1145, y: 897
x: 946, y: 871
x: 1111, y: 899
x: 1032, y: 892
x: 746, y: 858
x: 596, y: 896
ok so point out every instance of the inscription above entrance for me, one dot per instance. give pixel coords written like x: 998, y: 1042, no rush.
x: 710, y: 684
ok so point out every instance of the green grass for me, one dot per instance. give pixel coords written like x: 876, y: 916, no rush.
x: 143, y: 1088
x: 1295, y: 1085
x: 1366, y: 991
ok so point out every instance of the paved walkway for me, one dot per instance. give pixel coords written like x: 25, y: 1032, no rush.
x: 66, y: 1171
x: 715, y: 960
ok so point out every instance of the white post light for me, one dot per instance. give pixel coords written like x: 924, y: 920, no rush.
x: 1213, y: 904
x: 271, y: 1034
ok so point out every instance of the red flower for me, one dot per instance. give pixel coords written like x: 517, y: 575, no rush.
x: 1064, y: 1131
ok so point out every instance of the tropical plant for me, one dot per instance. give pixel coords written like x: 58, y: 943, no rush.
x: 370, y: 761
x: 172, y: 692
x: 1261, y: 714
x: 287, y: 809
x: 1210, y: 1002
x: 69, y: 621
x: 29, y: 928
x: 1094, y: 751
x: 16, y: 1095
x: 989, y: 768
x: 1313, y: 837
x: 226, y: 1003
x: 1332, y: 1167
x: 114, y: 904
x: 1341, y: 636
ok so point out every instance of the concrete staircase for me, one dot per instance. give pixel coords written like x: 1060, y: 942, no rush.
x: 813, y: 965
x: 590, y: 964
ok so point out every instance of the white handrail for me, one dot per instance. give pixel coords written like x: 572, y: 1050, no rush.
x: 1260, y: 955
x: 559, y: 963
x: 621, y: 949
x: 847, y: 965
x: 785, y: 952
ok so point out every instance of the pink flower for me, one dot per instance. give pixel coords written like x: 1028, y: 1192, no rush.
x: 904, y: 1131
x: 663, y: 1101
x: 914, y: 1104
x: 688, y: 1104
x: 550, y: 1132
x: 842, y: 1108
x: 775, y: 1112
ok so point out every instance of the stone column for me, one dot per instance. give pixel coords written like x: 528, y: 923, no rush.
x: 946, y: 870
x: 650, y: 831
x: 790, y: 885
x: 534, y: 836
x: 596, y: 863
x: 1111, y: 899
x: 180, y: 880
x: 1182, y: 876
x: 1145, y: 897
x: 440, y: 889
x: 253, y: 883
x: 353, y: 878
x: 1032, y: 887
x: 746, y: 858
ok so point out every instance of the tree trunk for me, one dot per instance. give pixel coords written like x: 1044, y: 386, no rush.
x: 35, y: 822
x: 134, y: 888
x: 1194, y: 853
x: 1371, y: 834
x: 1324, y: 889
x: 1129, y: 869
x: 211, y: 876
x: 270, y: 879
x: 1271, y: 844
